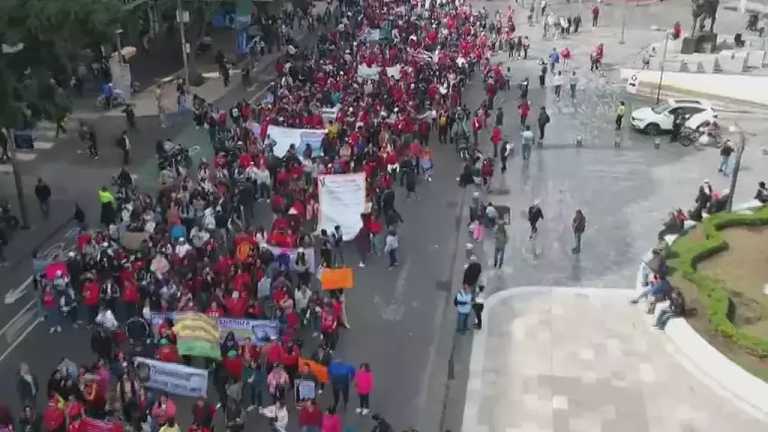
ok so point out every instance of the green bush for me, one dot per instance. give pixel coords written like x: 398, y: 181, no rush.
x: 687, y: 252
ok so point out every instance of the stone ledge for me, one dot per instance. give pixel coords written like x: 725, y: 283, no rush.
x: 704, y: 360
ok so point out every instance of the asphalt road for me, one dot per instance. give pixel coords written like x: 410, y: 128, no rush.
x: 402, y: 319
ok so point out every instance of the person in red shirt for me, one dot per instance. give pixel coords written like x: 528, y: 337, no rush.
x: 496, y: 137
x: 236, y: 304
x: 91, y: 293
x: 290, y: 359
x: 167, y: 352
x: 310, y: 416
x: 523, y: 108
x: 233, y: 364
x: 214, y: 311
x: 477, y: 124
x: 274, y: 352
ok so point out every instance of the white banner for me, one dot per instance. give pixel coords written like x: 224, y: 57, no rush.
x: 342, y: 201
x: 330, y: 113
x: 172, y: 378
x: 284, y: 137
x: 394, y: 71
x: 369, y: 73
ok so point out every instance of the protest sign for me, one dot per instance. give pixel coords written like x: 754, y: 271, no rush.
x: 369, y: 73
x: 260, y: 331
x: 309, y: 253
x: 306, y: 389
x: 342, y: 201
x: 172, y: 378
x: 337, y: 278
x: 284, y: 137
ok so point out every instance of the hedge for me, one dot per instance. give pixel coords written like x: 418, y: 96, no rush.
x: 687, y: 252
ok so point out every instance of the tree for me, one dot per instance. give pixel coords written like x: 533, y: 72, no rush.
x: 55, y: 35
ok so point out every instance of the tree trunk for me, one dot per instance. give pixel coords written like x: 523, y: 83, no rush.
x: 201, y: 14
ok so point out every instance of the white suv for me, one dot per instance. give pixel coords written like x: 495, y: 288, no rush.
x: 654, y: 120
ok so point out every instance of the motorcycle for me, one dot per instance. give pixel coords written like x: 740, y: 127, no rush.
x: 8, y: 220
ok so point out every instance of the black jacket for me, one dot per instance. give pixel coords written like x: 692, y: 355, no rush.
x: 472, y: 273
x: 27, y: 392
x: 43, y: 192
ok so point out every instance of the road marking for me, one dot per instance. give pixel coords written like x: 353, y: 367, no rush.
x: 16, y: 318
x: 21, y: 338
x: 395, y: 310
x: 6, y: 168
x: 44, y: 145
x: 194, y: 150
x: 15, y: 294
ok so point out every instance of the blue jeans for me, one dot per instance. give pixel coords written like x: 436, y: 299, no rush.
x: 461, y: 322
x: 724, y: 164
x: 664, y: 316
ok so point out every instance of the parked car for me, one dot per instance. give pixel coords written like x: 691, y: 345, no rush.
x: 659, y: 118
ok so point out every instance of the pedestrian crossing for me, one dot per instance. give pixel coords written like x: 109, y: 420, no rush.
x: 44, y: 138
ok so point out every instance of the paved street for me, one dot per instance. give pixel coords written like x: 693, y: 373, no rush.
x: 402, y: 320
x: 581, y: 359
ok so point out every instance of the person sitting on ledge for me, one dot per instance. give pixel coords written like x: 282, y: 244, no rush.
x: 674, y: 225
x: 659, y: 289
x: 675, y: 308
x: 762, y: 193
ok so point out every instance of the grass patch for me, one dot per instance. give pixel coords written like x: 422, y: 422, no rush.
x: 713, y: 296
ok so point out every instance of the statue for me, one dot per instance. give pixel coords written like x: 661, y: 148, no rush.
x: 702, y: 10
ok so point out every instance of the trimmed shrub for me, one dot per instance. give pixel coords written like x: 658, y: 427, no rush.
x: 686, y: 253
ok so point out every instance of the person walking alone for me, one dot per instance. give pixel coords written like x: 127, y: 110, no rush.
x: 620, y: 110
x: 543, y: 121
x: 478, y: 304
x: 527, y: 140
x: 579, y: 224
x: 463, y: 303
x: 43, y: 194
x: 557, y: 81
x: 500, y: 244
x: 391, y: 245
x: 573, y: 81
x: 725, y: 155
x: 534, y: 216
x: 364, y: 385
x: 507, y: 150
x: 125, y: 145
x: 595, y: 15
x: 524, y: 107
x: 543, y: 73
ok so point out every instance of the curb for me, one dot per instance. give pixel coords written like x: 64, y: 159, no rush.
x: 705, y: 361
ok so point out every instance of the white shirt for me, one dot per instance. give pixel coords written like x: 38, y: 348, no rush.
x: 106, y: 319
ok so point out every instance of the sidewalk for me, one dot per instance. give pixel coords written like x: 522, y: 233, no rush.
x: 581, y: 359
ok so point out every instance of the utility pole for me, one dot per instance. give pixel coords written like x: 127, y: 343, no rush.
x: 11, y: 139
x: 663, y: 60
x: 182, y: 17
x: 623, y: 20
x: 737, y: 164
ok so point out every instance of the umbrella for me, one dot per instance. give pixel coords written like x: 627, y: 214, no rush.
x: 55, y: 268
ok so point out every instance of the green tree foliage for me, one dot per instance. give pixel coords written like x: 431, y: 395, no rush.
x: 56, y: 35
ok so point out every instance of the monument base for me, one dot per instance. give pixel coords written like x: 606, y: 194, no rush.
x: 705, y: 43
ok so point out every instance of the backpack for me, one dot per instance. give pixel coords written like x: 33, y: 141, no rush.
x: 443, y: 120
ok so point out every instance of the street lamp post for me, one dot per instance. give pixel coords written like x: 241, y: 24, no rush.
x: 10, y: 134
x: 663, y: 60
x: 737, y: 164
x: 623, y: 21
x: 182, y: 17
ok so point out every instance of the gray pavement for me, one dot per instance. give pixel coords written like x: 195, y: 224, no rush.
x: 403, y: 319
x: 580, y: 359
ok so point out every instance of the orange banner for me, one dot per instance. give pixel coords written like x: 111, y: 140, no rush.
x: 319, y: 371
x: 337, y: 278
